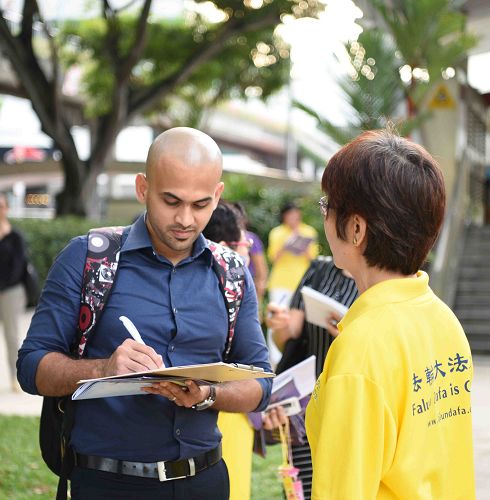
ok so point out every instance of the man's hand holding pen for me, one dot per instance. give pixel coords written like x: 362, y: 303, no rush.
x: 132, y: 356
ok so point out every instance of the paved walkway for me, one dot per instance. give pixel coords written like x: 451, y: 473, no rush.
x: 15, y: 403
x: 481, y: 425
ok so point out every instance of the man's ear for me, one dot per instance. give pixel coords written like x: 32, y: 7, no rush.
x: 218, y: 192
x: 141, y: 187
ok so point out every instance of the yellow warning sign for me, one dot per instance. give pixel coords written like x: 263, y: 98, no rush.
x: 442, y: 98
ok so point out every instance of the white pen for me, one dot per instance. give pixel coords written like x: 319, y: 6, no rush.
x: 133, y: 331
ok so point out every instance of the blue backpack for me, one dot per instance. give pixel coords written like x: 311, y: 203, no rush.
x: 104, y: 245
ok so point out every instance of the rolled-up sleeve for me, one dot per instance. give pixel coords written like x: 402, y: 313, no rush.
x: 248, y: 345
x: 54, y: 324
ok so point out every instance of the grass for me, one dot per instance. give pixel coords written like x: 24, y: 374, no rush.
x: 265, y: 482
x: 24, y: 476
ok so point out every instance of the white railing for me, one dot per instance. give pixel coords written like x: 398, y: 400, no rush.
x: 444, y: 269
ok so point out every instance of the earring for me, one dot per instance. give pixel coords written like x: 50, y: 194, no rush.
x: 354, y: 242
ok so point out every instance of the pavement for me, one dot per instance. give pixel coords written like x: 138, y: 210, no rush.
x: 19, y: 403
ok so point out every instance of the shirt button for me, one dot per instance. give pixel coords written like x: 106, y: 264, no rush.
x: 174, y: 270
x: 172, y: 347
x: 175, y: 310
x: 177, y: 432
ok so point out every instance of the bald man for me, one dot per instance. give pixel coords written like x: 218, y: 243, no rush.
x: 167, y: 287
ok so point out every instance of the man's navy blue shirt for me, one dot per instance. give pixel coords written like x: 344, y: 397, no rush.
x: 179, y: 311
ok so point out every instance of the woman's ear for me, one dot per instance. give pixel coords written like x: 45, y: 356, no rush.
x: 359, y: 230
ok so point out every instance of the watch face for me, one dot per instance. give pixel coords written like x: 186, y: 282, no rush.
x: 204, y: 405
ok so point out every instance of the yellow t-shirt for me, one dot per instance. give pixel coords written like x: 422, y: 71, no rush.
x: 237, y: 443
x: 390, y: 416
x: 288, y: 269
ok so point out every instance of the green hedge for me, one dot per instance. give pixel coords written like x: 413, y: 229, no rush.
x: 46, y: 238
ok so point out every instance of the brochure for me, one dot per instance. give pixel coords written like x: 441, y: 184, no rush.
x: 291, y: 390
x: 297, y: 244
x: 319, y: 306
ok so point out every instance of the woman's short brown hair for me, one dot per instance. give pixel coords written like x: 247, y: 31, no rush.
x: 398, y: 188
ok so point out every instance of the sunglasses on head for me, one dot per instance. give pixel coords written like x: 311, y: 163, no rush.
x: 244, y: 243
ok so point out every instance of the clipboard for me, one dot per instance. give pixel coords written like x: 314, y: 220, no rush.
x: 318, y: 306
x: 131, y: 384
x: 297, y: 244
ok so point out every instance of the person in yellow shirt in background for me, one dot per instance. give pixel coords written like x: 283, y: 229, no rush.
x: 390, y: 415
x: 227, y: 228
x: 292, y: 246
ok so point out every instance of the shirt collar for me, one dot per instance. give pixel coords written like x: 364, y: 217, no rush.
x: 201, y: 248
x: 387, y: 292
x: 139, y: 238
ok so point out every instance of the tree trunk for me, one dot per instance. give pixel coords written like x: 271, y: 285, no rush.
x: 89, y: 192
x: 69, y: 204
x: 411, y: 107
x: 69, y: 200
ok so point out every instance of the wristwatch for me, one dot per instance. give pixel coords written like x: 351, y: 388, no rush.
x: 208, y: 402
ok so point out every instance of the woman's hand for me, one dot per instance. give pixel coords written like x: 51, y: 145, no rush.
x: 331, y: 323
x: 274, y: 418
x: 277, y: 317
x: 284, y: 323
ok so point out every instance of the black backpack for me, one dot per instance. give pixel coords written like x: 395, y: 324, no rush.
x: 104, y: 244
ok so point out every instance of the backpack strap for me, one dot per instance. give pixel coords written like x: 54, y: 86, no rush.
x: 58, y: 414
x: 231, y: 277
x: 104, y: 246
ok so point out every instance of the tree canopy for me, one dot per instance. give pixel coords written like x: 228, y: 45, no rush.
x: 134, y: 64
x: 372, y: 88
x: 394, y: 66
x: 430, y: 36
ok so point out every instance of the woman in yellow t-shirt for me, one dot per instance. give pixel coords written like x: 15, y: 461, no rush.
x: 390, y: 415
x: 292, y: 247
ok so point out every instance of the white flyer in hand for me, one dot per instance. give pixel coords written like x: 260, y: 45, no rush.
x: 319, y: 306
